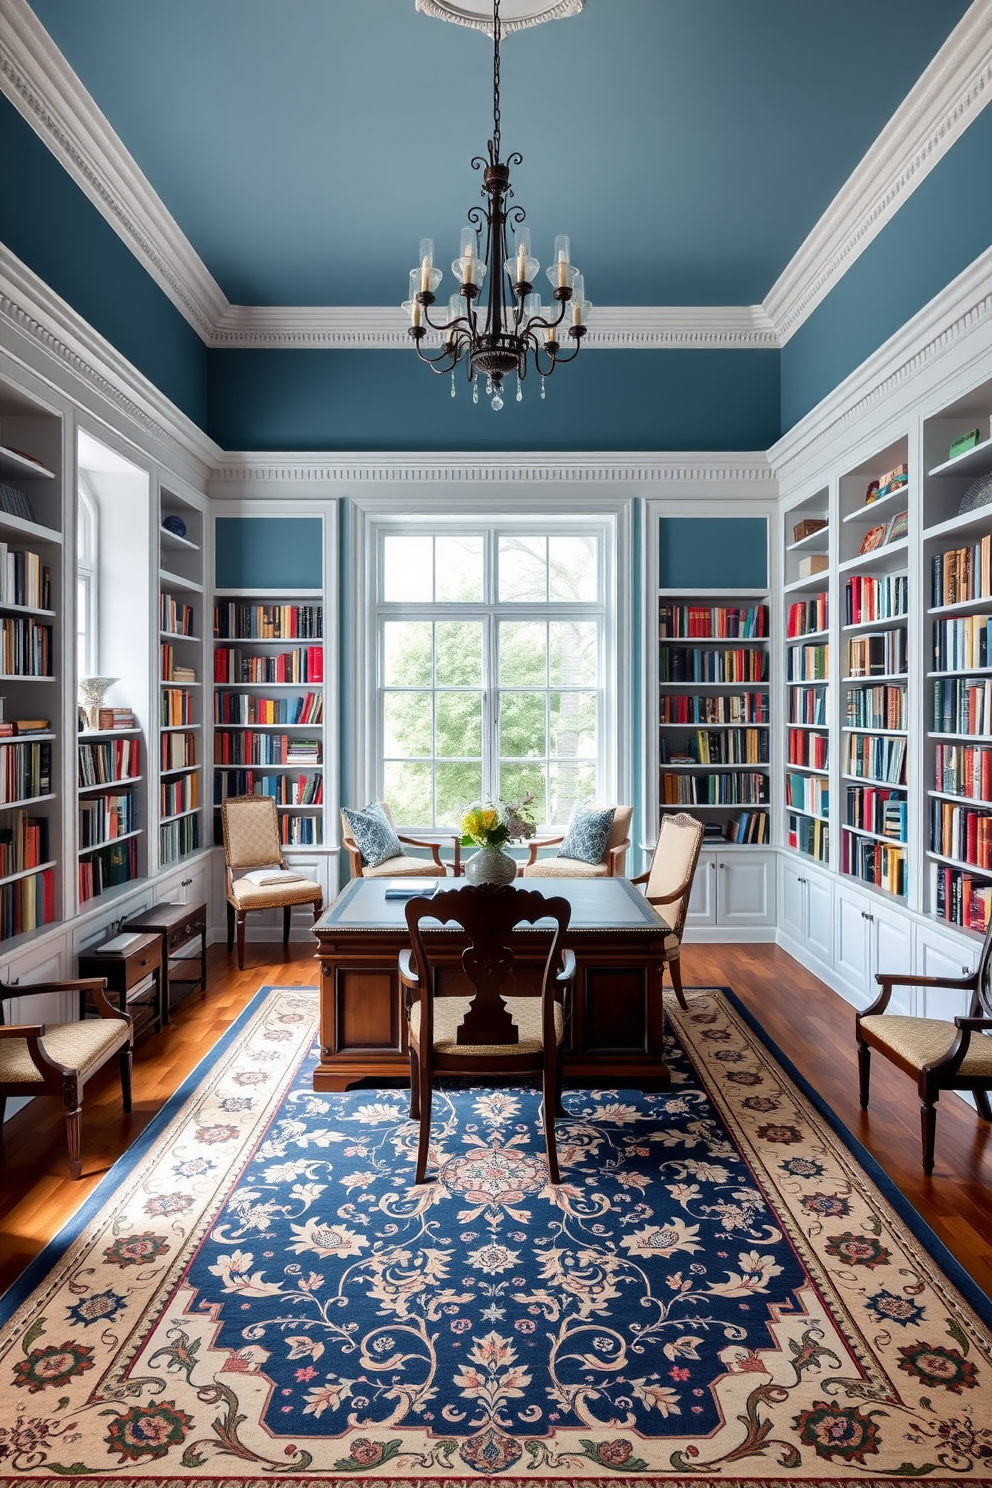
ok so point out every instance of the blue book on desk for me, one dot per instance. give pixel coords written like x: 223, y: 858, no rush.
x: 410, y: 888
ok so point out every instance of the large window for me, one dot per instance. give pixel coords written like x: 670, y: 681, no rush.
x: 494, y: 666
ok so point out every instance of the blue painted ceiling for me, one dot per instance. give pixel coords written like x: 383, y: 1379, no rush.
x: 688, y: 146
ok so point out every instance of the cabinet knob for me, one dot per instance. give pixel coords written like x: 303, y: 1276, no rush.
x: 723, y: 865
x: 965, y: 970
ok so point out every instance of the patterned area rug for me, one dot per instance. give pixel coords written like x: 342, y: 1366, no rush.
x: 716, y: 1293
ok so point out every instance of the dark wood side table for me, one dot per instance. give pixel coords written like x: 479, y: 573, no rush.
x: 178, y: 925
x: 132, y: 965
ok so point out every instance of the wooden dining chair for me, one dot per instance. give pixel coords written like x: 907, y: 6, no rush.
x: 669, y: 884
x: 492, y: 1031
x: 938, y: 1053
x: 57, y: 1059
x: 250, y: 826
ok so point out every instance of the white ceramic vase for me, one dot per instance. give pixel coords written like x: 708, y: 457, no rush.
x: 490, y: 865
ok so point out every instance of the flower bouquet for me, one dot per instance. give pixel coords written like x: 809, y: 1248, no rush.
x: 490, y: 827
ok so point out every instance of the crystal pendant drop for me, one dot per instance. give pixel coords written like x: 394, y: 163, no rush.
x: 497, y: 402
x: 475, y: 391
x: 453, y: 391
x: 542, y: 387
x: 520, y: 392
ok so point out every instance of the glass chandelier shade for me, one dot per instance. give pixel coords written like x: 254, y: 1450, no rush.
x: 510, y: 329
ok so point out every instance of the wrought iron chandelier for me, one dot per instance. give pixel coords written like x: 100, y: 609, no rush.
x: 516, y: 328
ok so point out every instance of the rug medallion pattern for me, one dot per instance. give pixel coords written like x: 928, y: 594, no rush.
x: 714, y: 1293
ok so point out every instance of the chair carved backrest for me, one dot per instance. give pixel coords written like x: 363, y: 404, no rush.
x: 680, y: 838
x: 251, y: 833
x: 487, y: 913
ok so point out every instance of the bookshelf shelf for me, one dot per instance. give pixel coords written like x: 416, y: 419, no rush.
x: 84, y: 852
x: 867, y: 514
x: 106, y: 785
x: 29, y: 872
x: 975, y: 461
x: 182, y: 624
x: 179, y: 581
x: 13, y: 462
x: 27, y: 801
x: 171, y: 541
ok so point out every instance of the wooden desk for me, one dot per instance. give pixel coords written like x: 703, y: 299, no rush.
x: 616, y: 1032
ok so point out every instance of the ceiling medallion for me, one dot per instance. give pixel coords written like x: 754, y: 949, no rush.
x: 517, y: 14
x: 516, y: 329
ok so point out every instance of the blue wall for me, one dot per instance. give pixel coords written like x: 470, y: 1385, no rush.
x: 713, y: 553
x: 269, y: 553
x: 938, y: 232
x: 54, y: 228
x: 386, y: 400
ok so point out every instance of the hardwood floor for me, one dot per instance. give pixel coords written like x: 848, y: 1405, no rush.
x: 810, y: 1024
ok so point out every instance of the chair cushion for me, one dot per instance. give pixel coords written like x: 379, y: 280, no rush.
x: 82, y: 1046
x: 564, y: 868
x: 588, y: 833
x: 921, y: 1041
x: 246, y: 895
x: 525, y: 1012
x: 403, y: 867
x: 373, y: 834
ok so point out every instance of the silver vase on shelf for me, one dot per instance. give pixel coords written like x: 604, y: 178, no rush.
x: 490, y: 865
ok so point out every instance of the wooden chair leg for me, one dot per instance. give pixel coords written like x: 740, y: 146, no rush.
x: 230, y: 926
x: 981, y: 1101
x: 425, y: 1122
x: 3, y: 1114
x: 928, y: 1125
x: 676, y: 974
x: 864, y: 1073
x: 559, y: 1079
x: 414, y: 1085
x: 74, y: 1140
x: 125, y: 1063
x: 287, y: 920
x: 241, y: 940
x: 550, y: 1094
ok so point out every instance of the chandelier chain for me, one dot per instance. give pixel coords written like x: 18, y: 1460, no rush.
x: 497, y: 33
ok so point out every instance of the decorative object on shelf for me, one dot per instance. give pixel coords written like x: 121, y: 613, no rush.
x: 813, y: 563
x: 898, y: 527
x: 15, y: 502
x: 807, y: 527
x: 91, y: 694
x: 175, y: 525
x: 979, y: 493
x: 872, y: 493
x: 963, y: 444
x: 873, y: 538
x: 490, y: 827
x: 893, y: 479
x: 517, y: 328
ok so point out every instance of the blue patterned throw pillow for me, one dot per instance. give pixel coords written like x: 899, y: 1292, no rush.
x: 373, y: 834
x: 588, y: 833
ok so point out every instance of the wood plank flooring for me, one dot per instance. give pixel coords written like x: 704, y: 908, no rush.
x: 810, y: 1024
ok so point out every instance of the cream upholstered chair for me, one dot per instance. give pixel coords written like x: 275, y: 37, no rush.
x: 405, y: 865
x: 939, y: 1054
x: 251, y: 844
x: 58, y: 1058
x: 611, y: 864
x: 669, y: 883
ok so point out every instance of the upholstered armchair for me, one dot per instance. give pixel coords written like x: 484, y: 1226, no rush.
x: 668, y: 884
x: 610, y: 864
x: 398, y: 864
x: 58, y: 1058
x: 257, y: 874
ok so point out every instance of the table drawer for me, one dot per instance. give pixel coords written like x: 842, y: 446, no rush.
x: 186, y: 930
x: 138, y: 966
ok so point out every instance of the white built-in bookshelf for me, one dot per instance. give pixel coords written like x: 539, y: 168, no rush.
x: 181, y: 703
x: 807, y: 677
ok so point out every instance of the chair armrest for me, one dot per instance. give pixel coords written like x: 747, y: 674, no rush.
x: 106, y: 1008
x: 435, y: 848
x: 674, y: 894
x: 29, y: 989
x: 22, y: 1030
x: 408, y: 975
x: 973, y: 1025
x: 641, y: 878
x: 351, y: 848
x: 615, y: 857
x: 567, y: 973
x: 889, y: 979
x: 538, y: 842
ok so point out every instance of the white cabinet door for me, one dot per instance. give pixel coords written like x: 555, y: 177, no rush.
x: 818, y: 916
x: 792, y: 902
x: 891, y: 937
x: 940, y: 955
x: 851, y: 946
x: 702, y: 900
x: 743, y: 889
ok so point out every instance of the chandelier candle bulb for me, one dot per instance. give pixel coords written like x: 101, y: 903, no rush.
x: 416, y: 313
x: 425, y: 276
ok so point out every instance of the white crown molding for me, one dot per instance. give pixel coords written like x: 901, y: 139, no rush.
x: 384, y: 327
x: 42, y: 86
x: 923, y: 351
x: 934, y: 114
x: 89, y: 368
x: 518, y: 15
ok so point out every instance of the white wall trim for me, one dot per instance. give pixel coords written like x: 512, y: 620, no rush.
x: 934, y: 114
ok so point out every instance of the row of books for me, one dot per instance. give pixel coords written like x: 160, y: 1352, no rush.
x: 961, y: 574
x: 303, y: 665
x: 109, y: 719
x: 714, y: 790
x: 25, y: 771
x: 24, y: 579
x: 176, y: 708
x: 962, y: 643
x: 23, y: 842
x: 962, y: 833
x: 102, y: 818
x: 750, y: 826
x: 959, y: 898
x: 305, y: 790
x: 175, y: 616
x: 808, y: 663
x: 870, y: 757
x: 244, y: 707
x: 964, y: 770
x: 807, y: 616
x: 962, y: 705
x: 807, y: 793
x: 678, y: 621
x: 881, y: 654
x: 174, y: 669
x: 113, y: 759
x: 239, y: 621
x: 745, y: 707
x: 808, y: 705
x: 247, y: 748
x: 300, y: 831
x: 699, y: 664
x: 880, y: 707
x: 805, y: 748
x: 723, y: 747
x: 182, y: 794
x: 25, y: 647
x: 27, y: 904
x: 882, y: 864
x: 808, y: 835
x: 108, y: 867
x: 178, y: 839
x: 178, y: 751
x: 868, y: 597
x: 875, y: 809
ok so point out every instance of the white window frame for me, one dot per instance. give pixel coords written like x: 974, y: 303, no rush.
x: 88, y: 575
x: 613, y: 705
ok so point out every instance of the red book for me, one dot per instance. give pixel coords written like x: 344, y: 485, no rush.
x: 315, y: 663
